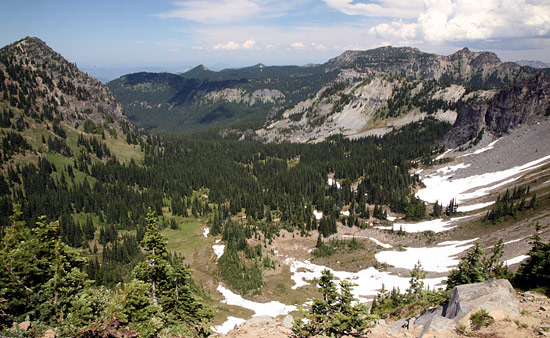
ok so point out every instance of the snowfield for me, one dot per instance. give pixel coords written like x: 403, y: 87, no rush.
x: 369, y: 281
x: 444, y: 188
x: 436, y: 225
x: 271, y: 309
x: 228, y: 325
x: 440, y: 258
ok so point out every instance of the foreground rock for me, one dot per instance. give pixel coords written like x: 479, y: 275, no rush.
x: 497, y: 297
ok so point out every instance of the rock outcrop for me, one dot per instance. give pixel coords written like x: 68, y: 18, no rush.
x: 497, y: 297
x: 525, y: 102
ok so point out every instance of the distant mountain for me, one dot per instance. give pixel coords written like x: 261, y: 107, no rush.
x: 201, y: 99
x: 106, y: 74
x: 533, y: 64
x: 357, y: 93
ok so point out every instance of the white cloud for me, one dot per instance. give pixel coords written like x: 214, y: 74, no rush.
x: 387, y: 8
x: 249, y: 44
x: 231, y: 45
x: 213, y: 11
x: 472, y: 20
x: 298, y: 45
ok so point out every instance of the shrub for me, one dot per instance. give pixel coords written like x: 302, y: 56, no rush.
x: 481, y: 318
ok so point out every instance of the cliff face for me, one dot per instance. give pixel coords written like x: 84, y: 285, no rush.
x: 525, y: 102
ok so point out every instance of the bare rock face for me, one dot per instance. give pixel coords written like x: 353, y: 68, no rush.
x: 525, y: 102
x: 469, y: 122
x: 492, y: 296
x: 497, y: 297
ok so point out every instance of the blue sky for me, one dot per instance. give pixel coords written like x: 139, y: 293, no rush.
x: 274, y: 32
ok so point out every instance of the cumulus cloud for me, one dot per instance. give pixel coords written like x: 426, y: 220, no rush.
x: 387, y: 8
x: 298, y: 45
x: 233, y: 45
x: 249, y: 44
x: 472, y: 20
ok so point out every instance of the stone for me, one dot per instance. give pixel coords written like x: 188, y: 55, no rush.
x: 259, y: 320
x: 288, y: 322
x: 51, y: 333
x: 426, y: 316
x: 439, y: 326
x: 24, y: 326
x: 497, y: 297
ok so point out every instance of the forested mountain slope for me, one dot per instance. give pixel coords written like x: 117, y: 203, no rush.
x: 101, y: 223
x: 357, y: 93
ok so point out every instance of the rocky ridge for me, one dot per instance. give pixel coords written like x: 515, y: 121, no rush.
x: 39, y: 81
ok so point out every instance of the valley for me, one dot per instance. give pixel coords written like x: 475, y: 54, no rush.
x: 251, y: 182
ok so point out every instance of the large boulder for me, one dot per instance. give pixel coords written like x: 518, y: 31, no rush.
x: 494, y: 296
x: 497, y: 297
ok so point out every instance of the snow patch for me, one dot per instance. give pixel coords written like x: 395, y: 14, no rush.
x: 489, y: 147
x: 391, y: 218
x: 440, y: 258
x: 318, y: 214
x: 516, y: 260
x: 229, y: 325
x: 219, y: 249
x: 369, y: 281
x: 271, y: 309
x: 436, y: 225
x: 466, y: 208
x: 443, y: 188
x: 330, y: 182
x: 345, y: 213
x: 384, y: 245
x: 206, y: 232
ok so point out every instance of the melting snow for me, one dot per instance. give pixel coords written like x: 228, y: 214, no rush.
x: 515, y: 260
x: 318, y: 214
x: 439, y: 258
x: 466, y: 208
x: 219, y: 249
x: 229, y: 325
x: 436, y: 225
x: 384, y: 245
x: 442, y: 188
x: 272, y: 309
x: 369, y: 281
x: 489, y: 147
x: 330, y: 182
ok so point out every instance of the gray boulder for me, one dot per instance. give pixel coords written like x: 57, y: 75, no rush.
x: 497, y: 297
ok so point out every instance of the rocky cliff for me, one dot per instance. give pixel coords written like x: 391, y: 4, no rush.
x: 525, y: 102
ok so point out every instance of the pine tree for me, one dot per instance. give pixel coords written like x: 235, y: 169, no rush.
x: 337, y: 314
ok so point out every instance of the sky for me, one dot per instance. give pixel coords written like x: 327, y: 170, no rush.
x: 237, y: 33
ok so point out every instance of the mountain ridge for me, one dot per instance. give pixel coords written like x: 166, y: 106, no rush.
x: 211, y: 106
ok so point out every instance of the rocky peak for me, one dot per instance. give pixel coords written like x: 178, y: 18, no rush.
x: 38, y: 80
